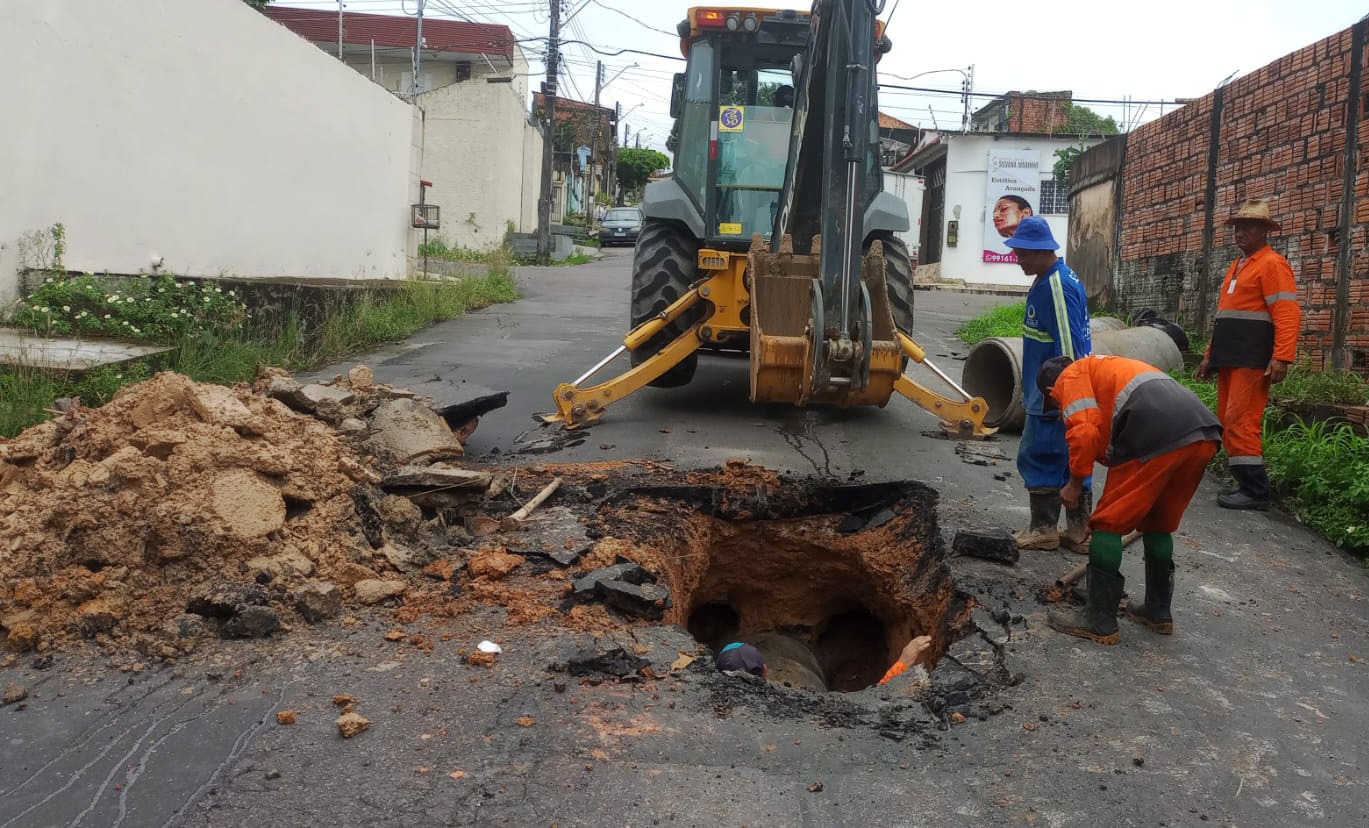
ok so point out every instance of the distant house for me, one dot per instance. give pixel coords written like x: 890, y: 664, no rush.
x: 481, y: 149
x: 1004, y: 165
x: 582, y: 166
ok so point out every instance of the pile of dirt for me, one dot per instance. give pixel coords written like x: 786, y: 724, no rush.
x: 181, y: 509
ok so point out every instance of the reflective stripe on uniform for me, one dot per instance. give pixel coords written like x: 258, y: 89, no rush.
x: 1081, y: 404
x: 1261, y: 316
x: 1136, y: 382
x: 1062, y: 315
x: 1246, y: 460
x: 1280, y: 296
x: 1037, y: 334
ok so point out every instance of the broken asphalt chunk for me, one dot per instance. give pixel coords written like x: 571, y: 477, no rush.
x: 251, y: 622
x: 617, y: 663
x: 996, y: 545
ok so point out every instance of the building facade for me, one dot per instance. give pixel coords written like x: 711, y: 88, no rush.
x: 482, y: 148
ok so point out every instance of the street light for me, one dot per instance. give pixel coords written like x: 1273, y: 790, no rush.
x: 966, y: 87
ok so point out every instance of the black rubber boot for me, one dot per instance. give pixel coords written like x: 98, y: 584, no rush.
x: 1253, y: 489
x: 1075, y: 538
x: 1043, y: 532
x: 1155, y: 612
x: 1098, y: 620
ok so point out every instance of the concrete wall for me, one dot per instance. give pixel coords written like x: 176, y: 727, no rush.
x: 1095, y: 188
x: 199, y: 132
x: 966, y: 182
x: 477, y: 154
x: 1294, y: 132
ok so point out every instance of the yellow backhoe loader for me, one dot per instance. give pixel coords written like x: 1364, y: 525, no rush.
x: 773, y: 235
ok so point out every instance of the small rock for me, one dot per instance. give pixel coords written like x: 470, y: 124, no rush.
x: 184, y: 629
x: 342, y: 700
x: 287, y: 390
x: 525, y: 721
x: 958, y: 717
x: 998, y: 546
x: 22, y: 636
x: 316, y: 395
x: 374, y: 591
x: 318, y: 600
x: 286, y: 717
x: 350, y: 724
x: 407, y: 558
x: 273, y: 774
x: 361, y: 377
x: 816, y: 787
x: 351, y: 425
x: 251, y: 622
x: 15, y: 693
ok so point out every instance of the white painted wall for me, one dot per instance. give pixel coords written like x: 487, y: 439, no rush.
x: 966, y: 181
x: 476, y: 153
x: 201, y: 132
x: 910, y: 190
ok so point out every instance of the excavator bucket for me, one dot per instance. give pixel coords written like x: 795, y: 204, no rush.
x: 789, y: 362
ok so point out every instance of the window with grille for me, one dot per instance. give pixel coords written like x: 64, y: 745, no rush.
x: 1055, y: 201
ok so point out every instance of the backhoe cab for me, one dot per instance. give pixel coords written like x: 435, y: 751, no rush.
x: 774, y: 235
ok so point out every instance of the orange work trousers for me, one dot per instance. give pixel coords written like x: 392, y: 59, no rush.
x: 1242, y: 394
x: 1151, y: 495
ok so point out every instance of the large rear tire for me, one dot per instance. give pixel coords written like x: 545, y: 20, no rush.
x: 664, y: 265
x: 898, y: 274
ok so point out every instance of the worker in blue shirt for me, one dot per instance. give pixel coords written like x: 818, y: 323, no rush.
x: 1056, y: 324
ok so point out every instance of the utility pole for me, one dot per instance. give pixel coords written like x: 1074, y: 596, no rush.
x: 418, y: 52
x: 339, y: 29
x: 967, y: 87
x: 591, y: 210
x: 613, y: 156
x: 548, y: 135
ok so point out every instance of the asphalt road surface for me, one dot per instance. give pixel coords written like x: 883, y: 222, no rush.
x: 1255, y: 713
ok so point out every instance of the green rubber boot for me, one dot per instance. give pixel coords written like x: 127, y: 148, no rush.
x: 1098, y: 619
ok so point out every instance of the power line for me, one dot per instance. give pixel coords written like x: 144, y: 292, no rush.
x: 639, y: 22
x: 607, y: 52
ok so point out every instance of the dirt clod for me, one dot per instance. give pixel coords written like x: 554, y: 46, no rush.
x: 350, y: 724
x: 286, y: 717
x: 15, y: 693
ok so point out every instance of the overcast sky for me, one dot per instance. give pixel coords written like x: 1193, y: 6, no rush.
x: 1163, y: 50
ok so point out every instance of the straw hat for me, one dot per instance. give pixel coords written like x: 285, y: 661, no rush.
x: 1254, y: 209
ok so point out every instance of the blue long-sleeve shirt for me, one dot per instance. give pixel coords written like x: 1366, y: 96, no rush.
x: 1056, y: 324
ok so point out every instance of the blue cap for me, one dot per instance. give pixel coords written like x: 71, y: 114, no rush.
x: 1033, y: 233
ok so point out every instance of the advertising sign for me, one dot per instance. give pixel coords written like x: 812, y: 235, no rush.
x: 1014, y: 192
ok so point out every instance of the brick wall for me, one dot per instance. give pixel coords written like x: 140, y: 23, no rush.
x: 1280, y: 133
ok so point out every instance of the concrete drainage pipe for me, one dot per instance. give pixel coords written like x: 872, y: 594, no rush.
x: 993, y: 369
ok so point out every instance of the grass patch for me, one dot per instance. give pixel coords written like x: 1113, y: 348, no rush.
x: 1004, y: 320
x: 226, y: 355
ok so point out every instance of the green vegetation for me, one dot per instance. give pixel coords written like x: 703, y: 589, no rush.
x: 1003, y: 320
x: 437, y: 247
x: 213, y: 337
x: 636, y: 165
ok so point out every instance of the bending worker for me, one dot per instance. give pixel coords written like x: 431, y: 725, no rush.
x: 1254, y: 339
x: 1156, y: 438
x: 1056, y: 323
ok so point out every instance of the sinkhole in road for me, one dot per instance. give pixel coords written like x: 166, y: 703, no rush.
x: 830, y: 582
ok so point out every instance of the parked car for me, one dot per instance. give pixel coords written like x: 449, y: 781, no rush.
x: 620, y: 226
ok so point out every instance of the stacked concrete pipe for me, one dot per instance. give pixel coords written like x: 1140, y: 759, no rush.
x: 993, y: 369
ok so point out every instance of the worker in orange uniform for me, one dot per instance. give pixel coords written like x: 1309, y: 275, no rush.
x: 1254, y: 340
x: 1156, y: 438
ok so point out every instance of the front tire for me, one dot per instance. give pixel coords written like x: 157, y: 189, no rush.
x: 898, y: 276
x: 664, y: 266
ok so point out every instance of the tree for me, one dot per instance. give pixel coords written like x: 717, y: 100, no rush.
x: 635, y: 166
x: 1084, y: 121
